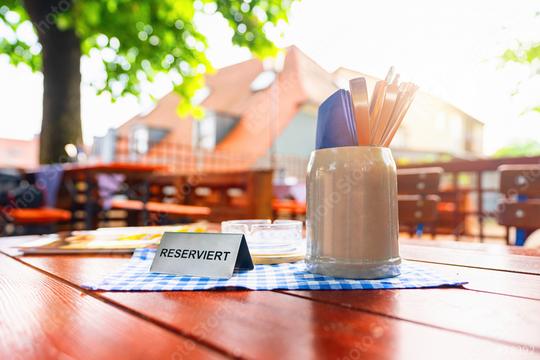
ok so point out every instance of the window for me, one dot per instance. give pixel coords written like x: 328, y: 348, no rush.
x: 139, y: 141
x: 212, y: 129
x: 205, y: 132
x: 156, y: 135
x: 144, y: 137
x: 224, y: 125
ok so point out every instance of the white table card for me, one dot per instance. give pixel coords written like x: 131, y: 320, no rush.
x: 212, y: 255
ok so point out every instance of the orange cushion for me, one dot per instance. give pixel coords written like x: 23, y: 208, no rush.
x: 446, y: 207
x: 39, y: 216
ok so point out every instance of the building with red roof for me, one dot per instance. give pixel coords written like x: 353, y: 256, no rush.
x: 257, y: 115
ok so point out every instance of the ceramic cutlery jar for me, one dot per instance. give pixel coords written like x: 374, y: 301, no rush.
x: 352, y: 214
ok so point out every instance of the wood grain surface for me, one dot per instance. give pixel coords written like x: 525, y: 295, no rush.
x: 484, y: 315
x: 498, y: 282
x: 230, y: 317
x: 496, y: 315
x: 42, y: 318
x: 471, y: 258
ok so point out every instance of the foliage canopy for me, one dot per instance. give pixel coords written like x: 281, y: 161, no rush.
x: 137, y: 39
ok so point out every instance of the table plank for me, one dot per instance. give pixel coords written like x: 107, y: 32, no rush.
x: 492, y: 281
x: 248, y: 323
x: 471, y: 258
x: 116, y: 168
x: 43, y: 318
x: 492, y: 249
x: 252, y: 323
x: 499, y: 282
x: 507, y: 319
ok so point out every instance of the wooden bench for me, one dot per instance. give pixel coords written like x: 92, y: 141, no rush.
x: 418, y: 200
x: 39, y: 216
x: 158, y: 208
x: 520, y: 207
x: 39, y: 219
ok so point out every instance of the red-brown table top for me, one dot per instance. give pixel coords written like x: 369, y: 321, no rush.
x: 44, y: 313
x: 127, y: 168
x: 115, y: 167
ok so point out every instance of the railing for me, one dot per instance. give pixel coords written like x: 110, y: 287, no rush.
x: 181, y: 158
x: 185, y: 159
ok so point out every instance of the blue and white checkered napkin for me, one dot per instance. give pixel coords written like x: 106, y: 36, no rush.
x: 290, y: 276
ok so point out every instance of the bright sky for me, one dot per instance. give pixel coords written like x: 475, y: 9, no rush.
x: 449, y: 48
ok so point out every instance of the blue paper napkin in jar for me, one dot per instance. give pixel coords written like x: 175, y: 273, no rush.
x: 335, y: 122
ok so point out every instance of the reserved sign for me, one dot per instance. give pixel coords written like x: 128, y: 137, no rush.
x: 202, y: 254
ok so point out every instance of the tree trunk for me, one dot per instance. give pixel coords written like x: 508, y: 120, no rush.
x: 61, y: 54
x: 61, y: 122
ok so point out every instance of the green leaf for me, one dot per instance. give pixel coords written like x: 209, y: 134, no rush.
x: 530, y: 148
x: 532, y: 53
x: 527, y: 55
x: 510, y: 55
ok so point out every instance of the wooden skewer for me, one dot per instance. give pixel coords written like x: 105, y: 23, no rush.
x: 378, y: 95
x: 402, y: 89
x: 360, y: 103
x: 390, y: 98
x: 377, y: 121
x: 375, y: 106
x: 409, y: 97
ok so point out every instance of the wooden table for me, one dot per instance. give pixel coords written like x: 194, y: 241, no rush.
x: 44, y: 313
x: 133, y: 172
x: 131, y: 169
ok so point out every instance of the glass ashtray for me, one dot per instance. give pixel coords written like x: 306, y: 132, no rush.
x: 267, y: 237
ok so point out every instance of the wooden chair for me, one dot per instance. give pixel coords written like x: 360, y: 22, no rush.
x: 418, y: 199
x: 520, y: 206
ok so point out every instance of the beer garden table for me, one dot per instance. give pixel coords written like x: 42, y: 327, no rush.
x: 45, y: 313
x: 133, y: 172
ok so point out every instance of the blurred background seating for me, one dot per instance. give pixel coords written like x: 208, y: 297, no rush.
x: 520, y: 207
x: 418, y: 200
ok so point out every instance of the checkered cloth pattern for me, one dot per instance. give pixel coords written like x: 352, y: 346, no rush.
x: 135, y: 276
